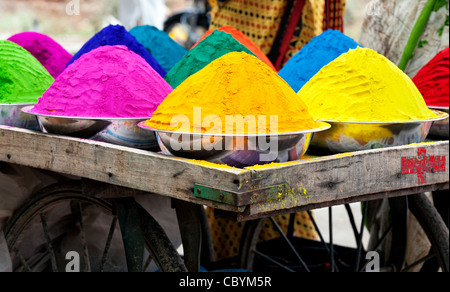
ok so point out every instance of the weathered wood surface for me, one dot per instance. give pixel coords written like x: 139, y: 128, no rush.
x: 116, y: 165
x: 305, y: 184
x: 355, y: 176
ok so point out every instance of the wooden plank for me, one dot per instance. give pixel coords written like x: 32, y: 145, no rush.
x: 117, y: 165
x: 246, y: 215
x: 306, y: 182
x: 340, y: 177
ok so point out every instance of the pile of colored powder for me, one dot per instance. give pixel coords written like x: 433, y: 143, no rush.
x: 160, y: 45
x: 108, y: 82
x: 243, y: 39
x: 116, y: 35
x: 320, y: 51
x: 22, y: 78
x: 433, y: 80
x: 51, y: 54
x: 364, y: 86
x: 237, y: 84
x: 216, y: 45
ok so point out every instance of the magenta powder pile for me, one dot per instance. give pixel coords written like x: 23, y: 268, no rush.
x: 46, y: 50
x: 108, y: 82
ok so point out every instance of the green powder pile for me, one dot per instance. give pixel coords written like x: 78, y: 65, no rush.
x: 213, y: 47
x: 22, y: 77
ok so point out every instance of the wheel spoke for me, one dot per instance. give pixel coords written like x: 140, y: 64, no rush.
x: 268, y: 258
x: 418, y: 262
x: 383, y: 237
x: 148, y: 262
x: 352, y: 222
x: 83, y: 238
x: 49, y: 243
x: 299, y: 258
x: 330, y: 225
x: 360, y: 236
x: 22, y: 260
x: 322, y: 239
x: 108, y: 243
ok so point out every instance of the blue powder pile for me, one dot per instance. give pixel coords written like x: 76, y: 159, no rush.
x: 319, y: 52
x: 160, y: 45
x: 115, y: 35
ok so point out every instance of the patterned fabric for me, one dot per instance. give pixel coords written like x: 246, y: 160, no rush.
x: 260, y: 20
x: 226, y: 234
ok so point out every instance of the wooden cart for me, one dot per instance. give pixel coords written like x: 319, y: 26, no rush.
x: 110, y: 171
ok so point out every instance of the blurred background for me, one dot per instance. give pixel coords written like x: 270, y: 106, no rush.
x: 72, y: 23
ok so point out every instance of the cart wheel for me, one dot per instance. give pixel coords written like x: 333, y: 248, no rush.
x: 62, y: 229
x: 289, y: 253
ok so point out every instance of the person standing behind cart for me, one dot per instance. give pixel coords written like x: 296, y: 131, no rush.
x: 280, y: 29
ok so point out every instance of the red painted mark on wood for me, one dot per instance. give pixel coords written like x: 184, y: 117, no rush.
x: 423, y: 164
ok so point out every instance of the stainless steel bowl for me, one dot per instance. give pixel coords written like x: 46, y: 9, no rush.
x: 236, y: 150
x: 440, y: 129
x: 78, y: 127
x: 125, y: 132
x: 357, y: 136
x: 13, y: 116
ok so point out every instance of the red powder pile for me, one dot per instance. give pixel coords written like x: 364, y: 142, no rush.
x: 47, y: 51
x: 244, y: 40
x: 433, y: 80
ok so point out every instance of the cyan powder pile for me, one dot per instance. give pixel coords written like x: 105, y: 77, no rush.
x: 160, y: 45
x: 115, y: 35
x: 51, y: 54
x: 213, y: 47
x: 22, y: 78
x: 108, y: 82
x: 320, y: 51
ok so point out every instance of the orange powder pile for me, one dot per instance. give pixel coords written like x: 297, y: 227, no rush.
x: 244, y: 40
x: 235, y: 84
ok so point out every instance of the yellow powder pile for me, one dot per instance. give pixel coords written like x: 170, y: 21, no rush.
x: 364, y: 86
x: 237, y: 84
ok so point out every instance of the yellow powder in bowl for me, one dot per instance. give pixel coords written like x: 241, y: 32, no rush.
x: 236, y: 87
x: 364, y: 86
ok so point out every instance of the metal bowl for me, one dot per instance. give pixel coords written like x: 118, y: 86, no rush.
x: 78, y: 127
x: 13, y: 116
x: 125, y: 132
x: 440, y: 129
x: 236, y: 150
x: 357, y: 136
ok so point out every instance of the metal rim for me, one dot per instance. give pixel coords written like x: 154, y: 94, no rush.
x: 441, y: 116
x: 324, y: 126
x: 439, y: 108
x: 28, y: 108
